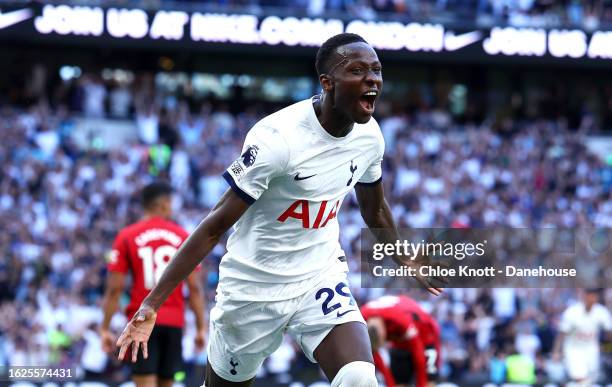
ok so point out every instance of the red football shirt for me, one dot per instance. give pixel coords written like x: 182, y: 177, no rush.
x: 403, y: 318
x: 144, y: 249
x: 409, y: 328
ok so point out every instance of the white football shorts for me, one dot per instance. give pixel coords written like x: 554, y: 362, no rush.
x: 243, y: 333
x: 582, y: 363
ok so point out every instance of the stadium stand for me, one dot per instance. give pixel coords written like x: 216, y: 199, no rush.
x: 61, y: 204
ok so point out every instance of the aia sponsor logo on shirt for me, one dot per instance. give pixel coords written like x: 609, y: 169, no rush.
x: 300, y: 210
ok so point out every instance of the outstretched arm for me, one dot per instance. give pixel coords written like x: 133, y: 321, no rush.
x: 376, y: 213
x: 206, y: 235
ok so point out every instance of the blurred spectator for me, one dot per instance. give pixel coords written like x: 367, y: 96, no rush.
x: 520, y: 369
x: 526, y: 341
x: 497, y: 367
x: 93, y: 359
x: 94, y: 93
x: 120, y: 100
x: 147, y: 121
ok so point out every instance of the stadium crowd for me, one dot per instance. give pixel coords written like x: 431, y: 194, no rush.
x: 61, y: 206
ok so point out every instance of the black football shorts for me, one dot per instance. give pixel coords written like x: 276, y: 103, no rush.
x: 402, y: 367
x: 165, y: 353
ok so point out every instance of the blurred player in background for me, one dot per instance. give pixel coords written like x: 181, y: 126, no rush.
x: 144, y: 250
x: 414, y: 337
x: 578, y: 340
x: 284, y: 270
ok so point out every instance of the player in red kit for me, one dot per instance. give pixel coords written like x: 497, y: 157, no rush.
x: 414, y: 337
x: 143, y: 250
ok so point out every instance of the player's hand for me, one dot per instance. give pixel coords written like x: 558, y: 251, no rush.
x: 430, y: 384
x: 107, y: 338
x: 137, y: 333
x: 431, y: 284
x: 200, y: 339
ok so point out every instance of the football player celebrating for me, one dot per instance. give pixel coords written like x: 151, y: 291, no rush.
x: 284, y: 270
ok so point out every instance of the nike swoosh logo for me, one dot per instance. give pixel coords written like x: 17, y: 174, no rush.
x: 14, y: 17
x: 343, y: 313
x: 454, y: 42
x: 298, y: 178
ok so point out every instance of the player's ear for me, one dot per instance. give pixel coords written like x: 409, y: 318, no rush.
x: 327, y: 82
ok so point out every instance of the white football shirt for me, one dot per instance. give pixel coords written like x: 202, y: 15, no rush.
x: 295, y: 175
x: 582, y: 327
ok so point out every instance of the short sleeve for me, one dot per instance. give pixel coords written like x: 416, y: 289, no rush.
x: 264, y: 156
x: 117, y: 259
x: 373, y: 174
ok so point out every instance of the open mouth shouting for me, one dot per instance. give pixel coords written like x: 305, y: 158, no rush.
x: 367, y: 101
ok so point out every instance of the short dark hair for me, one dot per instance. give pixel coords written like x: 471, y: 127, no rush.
x: 153, y: 191
x: 327, y: 49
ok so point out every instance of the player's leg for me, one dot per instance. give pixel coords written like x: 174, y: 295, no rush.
x: 345, y: 344
x: 594, y: 371
x: 171, y: 355
x: 144, y: 371
x: 331, y: 331
x: 576, y: 365
x: 402, y: 367
x: 241, y: 335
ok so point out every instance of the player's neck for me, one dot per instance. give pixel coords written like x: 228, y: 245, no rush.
x: 335, y: 123
x: 152, y: 214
